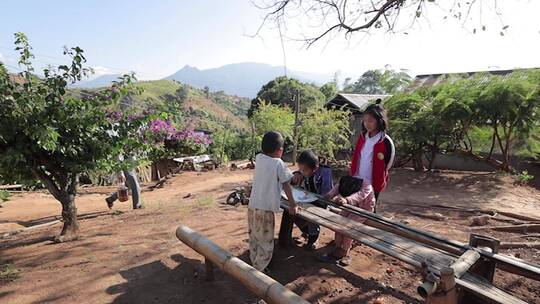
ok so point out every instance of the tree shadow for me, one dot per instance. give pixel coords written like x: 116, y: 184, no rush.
x: 154, y: 282
x: 288, y: 265
x: 4, y: 294
x: 9, y: 244
x: 43, y: 220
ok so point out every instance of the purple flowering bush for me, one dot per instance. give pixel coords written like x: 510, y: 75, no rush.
x: 169, y: 141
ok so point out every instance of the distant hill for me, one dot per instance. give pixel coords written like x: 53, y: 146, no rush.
x: 241, y: 79
x: 216, y: 110
x: 98, y: 82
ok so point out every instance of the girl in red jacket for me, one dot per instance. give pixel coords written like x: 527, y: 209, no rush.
x: 374, y: 152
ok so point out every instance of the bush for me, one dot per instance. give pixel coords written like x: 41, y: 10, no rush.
x: 8, y: 273
x: 523, y: 178
x: 4, y: 196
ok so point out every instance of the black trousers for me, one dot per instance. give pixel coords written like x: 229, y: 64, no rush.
x: 376, y: 199
x: 287, y: 224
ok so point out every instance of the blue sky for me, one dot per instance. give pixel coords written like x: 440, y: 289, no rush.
x: 151, y: 36
x: 156, y: 38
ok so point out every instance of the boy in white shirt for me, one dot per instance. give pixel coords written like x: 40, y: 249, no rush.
x: 271, y: 176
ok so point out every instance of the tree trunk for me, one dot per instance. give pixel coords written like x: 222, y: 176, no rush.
x: 492, y: 146
x: 70, y: 230
x: 64, y: 190
x: 417, y: 161
x: 505, y: 165
x: 432, y: 160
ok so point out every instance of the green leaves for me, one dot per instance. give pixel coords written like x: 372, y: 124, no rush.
x: 325, y: 131
x: 282, y: 91
x: 44, y: 125
x: 379, y: 82
x: 270, y: 117
x: 473, y: 113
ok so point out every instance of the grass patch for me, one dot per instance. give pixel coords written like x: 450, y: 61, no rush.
x: 205, y: 201
x: 9, y: 273
x: 4, y: 196
x: 117, y: 212
x: 523, y: 178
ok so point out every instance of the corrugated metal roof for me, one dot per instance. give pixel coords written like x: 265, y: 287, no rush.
x: 358, y: 101
x: 435, y: 79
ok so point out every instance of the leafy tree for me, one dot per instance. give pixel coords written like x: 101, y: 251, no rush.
x: 329, y: 90
x: 379, y: 82
x: 271, y: 117
x: 408, y: 126
x: 368, y: 83
x: 182, y: 93
x: 49, y: 134
x: 206, y: 92
x: 325, y: 131
x: 393, y: 81
x: 509, y: 105
x: 468, y: 115
x: 281, y: 91
x: 232, y: 145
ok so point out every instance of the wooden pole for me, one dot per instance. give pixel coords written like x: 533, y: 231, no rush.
x: 262, y: 285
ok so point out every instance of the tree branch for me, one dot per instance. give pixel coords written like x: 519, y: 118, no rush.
x: 47, y: 181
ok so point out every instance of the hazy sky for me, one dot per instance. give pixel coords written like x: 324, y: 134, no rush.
x: 156, y: 38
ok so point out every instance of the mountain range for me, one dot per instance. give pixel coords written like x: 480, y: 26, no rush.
x: 241, y: 79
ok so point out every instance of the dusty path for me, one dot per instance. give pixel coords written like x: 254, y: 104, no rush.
x: 134, y: 257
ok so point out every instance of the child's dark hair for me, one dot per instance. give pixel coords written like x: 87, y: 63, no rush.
x: 379, y: 113
x: 308, y: 158
x: 349, y: 185
x: 271, y: 142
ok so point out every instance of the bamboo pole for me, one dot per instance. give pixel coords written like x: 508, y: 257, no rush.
x: 262, y: 285
x: 465, y: 262
x: 509, y: 264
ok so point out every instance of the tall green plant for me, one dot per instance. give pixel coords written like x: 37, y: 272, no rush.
x: 271, y: 117
x: 325, y: 131
x: 509, y: 105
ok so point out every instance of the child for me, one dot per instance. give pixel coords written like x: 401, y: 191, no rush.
x: 271, y: 176
x: 315, y: 178
x: 374, y: 152
x: 356, y: 192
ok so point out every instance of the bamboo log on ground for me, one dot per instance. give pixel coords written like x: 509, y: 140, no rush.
x: 514, y: 228
x: 262, y: 285
x: 14, y: 232
x: 492, y: 212
x: 514, y: 245
x: 435, y: 216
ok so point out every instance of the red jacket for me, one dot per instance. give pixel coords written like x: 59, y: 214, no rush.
x: 383, y: 159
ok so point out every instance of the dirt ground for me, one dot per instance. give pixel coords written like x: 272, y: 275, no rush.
x: 129, y: 256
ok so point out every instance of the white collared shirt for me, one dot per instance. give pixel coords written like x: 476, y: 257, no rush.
x: 270, y: 174
x: 365, y: 165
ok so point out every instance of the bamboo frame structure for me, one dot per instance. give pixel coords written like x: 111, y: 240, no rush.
x: 509, y: 264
